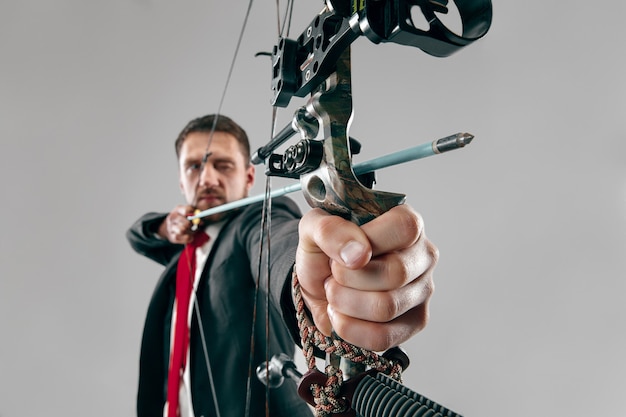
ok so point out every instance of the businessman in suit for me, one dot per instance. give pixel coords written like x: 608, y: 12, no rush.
x: 370, y: 284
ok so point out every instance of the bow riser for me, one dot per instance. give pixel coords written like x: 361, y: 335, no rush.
x: 334, y: 186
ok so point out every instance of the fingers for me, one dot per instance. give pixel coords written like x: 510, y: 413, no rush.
x: 390, y: 302
x: 396, y: 229
x: 353, y: 246
x: 323, y: 238
x: 318, y: 306
x: 379, y: 306
x: 369, y: 284
x: 177, y: 227
x: 402, y: 252
x: 324, y: 235
x: 381, y: 336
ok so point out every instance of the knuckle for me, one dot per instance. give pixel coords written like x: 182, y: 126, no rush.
x: 428, y: 289
x: 411, y: 225
x: 401, y: 272
x: 386, y: 308
x: 433, y: 251
x: 421, y: 317
x: 384, y: 340
x: 394, y: 270
x: 341, y: 328
x: 331, y: 294
x: 326, y: 227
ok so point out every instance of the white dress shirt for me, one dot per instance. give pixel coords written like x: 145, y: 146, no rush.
x: 202, y: 253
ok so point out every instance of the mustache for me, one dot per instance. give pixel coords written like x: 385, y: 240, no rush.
x: 209, y: 192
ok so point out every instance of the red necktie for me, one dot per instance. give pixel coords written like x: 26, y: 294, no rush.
x: 184, y: 281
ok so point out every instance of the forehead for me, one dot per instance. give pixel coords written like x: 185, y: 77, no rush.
x: 222, y: 144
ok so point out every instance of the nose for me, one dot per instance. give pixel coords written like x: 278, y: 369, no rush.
x: 208, y: 176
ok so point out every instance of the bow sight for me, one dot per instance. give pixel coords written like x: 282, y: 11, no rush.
x: 301, y: 65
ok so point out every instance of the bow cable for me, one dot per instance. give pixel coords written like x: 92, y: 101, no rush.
x: 264, y: 249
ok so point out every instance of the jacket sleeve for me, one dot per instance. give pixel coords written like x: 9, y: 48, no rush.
x: 283, y: 244
x: 143, y: 238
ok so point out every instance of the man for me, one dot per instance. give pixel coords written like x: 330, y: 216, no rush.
x: 369, y: 284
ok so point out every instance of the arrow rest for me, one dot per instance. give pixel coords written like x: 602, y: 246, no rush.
x: 306, y: 156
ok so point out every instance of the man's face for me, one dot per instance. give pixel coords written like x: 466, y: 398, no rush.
x: 226, y: 176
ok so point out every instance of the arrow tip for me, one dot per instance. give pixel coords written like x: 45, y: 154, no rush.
x: 452, y: 142
x: 465, y: 139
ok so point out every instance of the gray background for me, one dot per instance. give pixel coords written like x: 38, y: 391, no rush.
x: 528, y: 316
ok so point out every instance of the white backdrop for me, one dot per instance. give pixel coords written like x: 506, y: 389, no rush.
x: 528, y: 316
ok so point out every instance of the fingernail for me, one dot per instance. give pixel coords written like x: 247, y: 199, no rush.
x: 351, y: 252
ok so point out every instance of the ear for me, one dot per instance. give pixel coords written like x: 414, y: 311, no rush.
x: 250, y: 177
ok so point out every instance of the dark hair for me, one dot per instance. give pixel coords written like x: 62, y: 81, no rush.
x: 223, y: 124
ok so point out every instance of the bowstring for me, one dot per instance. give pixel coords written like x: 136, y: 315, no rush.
x: 196, y: 307
x: 223, y: 96
x: 266, y: 217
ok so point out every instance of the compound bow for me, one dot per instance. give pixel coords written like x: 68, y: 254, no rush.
x: 317, y: 64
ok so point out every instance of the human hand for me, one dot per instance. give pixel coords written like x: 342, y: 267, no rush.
x: 371, y: 284
x: 176, y: 227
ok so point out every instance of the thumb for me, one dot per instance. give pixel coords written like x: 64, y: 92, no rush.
x: 323, y: 239
x: 335, y: 238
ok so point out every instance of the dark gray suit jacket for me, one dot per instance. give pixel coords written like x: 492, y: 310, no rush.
x: 226, y: 299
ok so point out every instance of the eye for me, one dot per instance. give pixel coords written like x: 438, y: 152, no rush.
x: 224, y: 166
x: 193, y: 167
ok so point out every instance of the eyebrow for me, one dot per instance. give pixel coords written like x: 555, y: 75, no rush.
x: 204, y: 159
x: 190, y: 161
x: 206, y: 156
x: 221, y: 158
